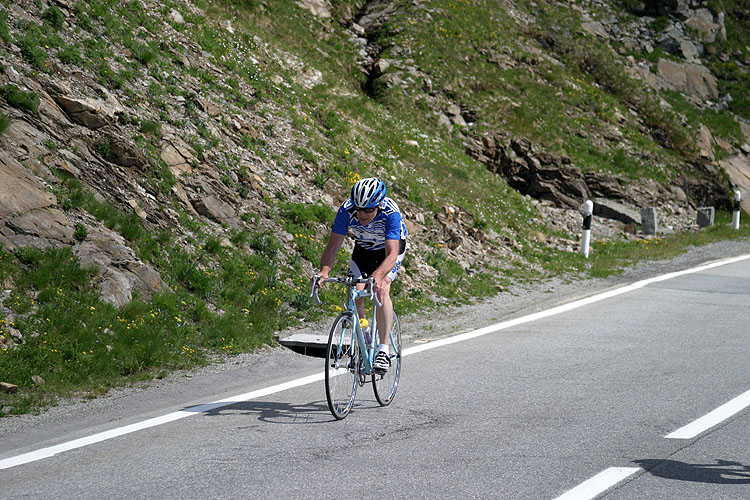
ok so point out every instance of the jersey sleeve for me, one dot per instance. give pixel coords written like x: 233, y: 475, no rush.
x: 341, y: 222
x: 393, y: 226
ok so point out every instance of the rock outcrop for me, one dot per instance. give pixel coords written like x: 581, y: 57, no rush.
x: 692, y: 79
x: 548, y: 177
x: 737, y: 168
x: 29, y: 214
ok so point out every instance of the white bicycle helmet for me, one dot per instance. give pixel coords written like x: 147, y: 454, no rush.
x: 368, y: 193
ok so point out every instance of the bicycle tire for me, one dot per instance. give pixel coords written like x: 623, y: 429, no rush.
x: 385, y: 387
x: 342, y: 366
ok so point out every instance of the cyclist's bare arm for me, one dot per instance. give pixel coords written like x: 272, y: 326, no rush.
x: 329, y: 254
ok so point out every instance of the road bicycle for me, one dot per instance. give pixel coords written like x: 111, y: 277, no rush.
x: 350, y: 352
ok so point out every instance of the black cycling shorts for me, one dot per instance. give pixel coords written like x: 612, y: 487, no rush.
x: 364, y: 262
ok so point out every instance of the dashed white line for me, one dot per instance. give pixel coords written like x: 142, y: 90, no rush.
x: 598, y: 484
x: 110, y: 434
x: 712, y: 419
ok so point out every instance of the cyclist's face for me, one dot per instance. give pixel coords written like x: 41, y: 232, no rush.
x: 366, y: 217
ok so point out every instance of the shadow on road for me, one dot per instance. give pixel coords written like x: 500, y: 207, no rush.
x: 275, y: 412
x: 721, y: 472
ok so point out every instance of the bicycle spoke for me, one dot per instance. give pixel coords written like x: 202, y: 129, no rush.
x: 385, y: 385
x: 342, y: 367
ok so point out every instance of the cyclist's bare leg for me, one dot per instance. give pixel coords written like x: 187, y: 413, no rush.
x: 360, y: 302
x: 385, y: 311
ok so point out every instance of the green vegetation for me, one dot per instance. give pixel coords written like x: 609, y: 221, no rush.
x: 301, y: 221
x: 150, y: 127
x: 612, y: 257
x: 27, y: 101
x: 70, y: 55
x: 218, y: 301
x: 54, y: 17
x: 4, y: 29
x: 5, y: 122
x: 80, y: 232
x: 226, y: 288
x: 733, y: 79
x: 32, y: 44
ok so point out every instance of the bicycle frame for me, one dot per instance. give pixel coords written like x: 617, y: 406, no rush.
x: 351, y: 308
x: 349, y: 356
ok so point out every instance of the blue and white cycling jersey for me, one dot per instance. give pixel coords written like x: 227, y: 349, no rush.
x: 388, y: 224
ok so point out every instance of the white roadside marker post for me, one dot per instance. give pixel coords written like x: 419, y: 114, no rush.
x: 587, y: 211
x: 736, y: 215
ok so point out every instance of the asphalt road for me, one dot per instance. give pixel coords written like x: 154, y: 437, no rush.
x: 566, y: 403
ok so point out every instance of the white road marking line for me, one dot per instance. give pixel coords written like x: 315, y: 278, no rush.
x: 120, y: 431
x: 51, y: 451
x: 599, y: 483
x: 566, y: 307
x: 713, y: 418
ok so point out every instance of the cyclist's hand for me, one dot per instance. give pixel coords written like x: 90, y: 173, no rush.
x: 321, y: 278
x: 377, y: 284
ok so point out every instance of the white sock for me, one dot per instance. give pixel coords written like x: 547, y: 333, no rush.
x: 383, y: 348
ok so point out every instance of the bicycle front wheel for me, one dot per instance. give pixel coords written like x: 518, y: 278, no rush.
x: 342, y: 366
x: 385, y: 385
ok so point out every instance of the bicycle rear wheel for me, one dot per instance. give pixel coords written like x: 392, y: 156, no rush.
x: 342, y: 366
x: 385, y: 386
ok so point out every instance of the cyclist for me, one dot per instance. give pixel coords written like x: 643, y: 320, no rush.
x: 379, y: 248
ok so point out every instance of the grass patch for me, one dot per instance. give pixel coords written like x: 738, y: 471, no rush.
x: 32, y: 44
x: 110, y: 346
x: 4, y: 29
x: 612, y: 257
x: 53, y: 17
x: 221, y: 302
x: 21, y: 99
x: 303, y: 222
x: 150, y: 127
x: 5, y: 122
x: 71, y: 194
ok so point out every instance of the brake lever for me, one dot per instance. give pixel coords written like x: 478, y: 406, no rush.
x: 314, y: 291
x: 373, y: 295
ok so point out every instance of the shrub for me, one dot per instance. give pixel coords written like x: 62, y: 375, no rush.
x: 4, y: 30
x: 109, y: 77
x: 194, y: 277
x: 150, y: 127
x: 320, y: 180
x: 20, y: 99
x: 104, y: 149
x: 80, y: 232
x: 81, y: 16
x: 32, y: 50
x: 54, y: 17
x: 212, y: 245
x: 306, y: 214
x: 306, y: 155
x: 70, y: 55
x: 265, y: 244
x: 144, y: 54
x: 659, y: 24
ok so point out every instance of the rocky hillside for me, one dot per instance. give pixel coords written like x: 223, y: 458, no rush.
x: 174, y: 146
